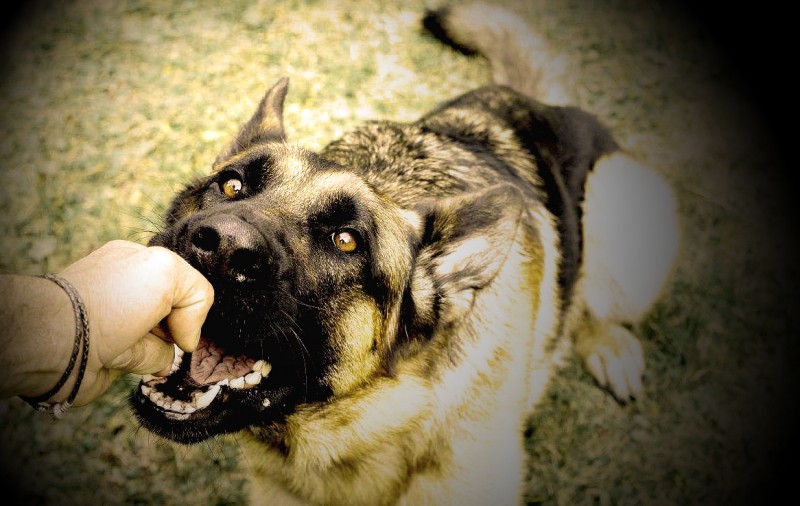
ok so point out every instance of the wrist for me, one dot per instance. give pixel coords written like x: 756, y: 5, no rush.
x: 37, y: 324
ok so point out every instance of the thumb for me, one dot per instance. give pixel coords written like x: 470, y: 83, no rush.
x: 149, y: 355
x: 192, y: 299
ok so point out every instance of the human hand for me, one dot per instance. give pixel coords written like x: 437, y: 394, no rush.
x: 128, y: 289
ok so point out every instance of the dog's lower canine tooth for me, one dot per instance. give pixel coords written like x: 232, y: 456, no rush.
x: 205, y: 399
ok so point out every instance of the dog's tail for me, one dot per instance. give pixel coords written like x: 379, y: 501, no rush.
x: 519, y: 57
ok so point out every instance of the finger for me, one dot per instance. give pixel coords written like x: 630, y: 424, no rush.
x: 185, y: 323
x: 116, y: 249
x: 149, y: 355
x: 192, y: 299
x: 161, y: 331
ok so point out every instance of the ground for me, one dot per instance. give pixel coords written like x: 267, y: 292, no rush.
x: 106, y: 109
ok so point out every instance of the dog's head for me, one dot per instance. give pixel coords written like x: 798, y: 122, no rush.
x: 322, y: 283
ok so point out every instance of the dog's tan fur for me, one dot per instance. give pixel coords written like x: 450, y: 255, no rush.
x: 451, y: 438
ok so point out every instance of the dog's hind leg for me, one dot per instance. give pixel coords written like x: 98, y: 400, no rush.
x: 631, y: 240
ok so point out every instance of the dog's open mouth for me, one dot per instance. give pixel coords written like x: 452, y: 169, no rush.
x: 207, y: 372
x: 206, y: 392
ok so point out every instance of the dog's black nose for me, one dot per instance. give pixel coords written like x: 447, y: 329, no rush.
x: 227, y: 246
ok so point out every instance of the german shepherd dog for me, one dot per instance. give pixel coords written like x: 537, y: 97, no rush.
x: 388, y: 311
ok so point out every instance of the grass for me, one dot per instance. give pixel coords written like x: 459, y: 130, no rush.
x: 107, y: 109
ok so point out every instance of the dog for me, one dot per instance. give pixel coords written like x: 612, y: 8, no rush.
x: 388, y: 311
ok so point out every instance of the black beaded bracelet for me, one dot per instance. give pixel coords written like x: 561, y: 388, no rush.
x: 58, y: 409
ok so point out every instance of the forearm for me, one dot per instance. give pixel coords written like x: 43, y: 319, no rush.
x: 124, y: 290
x: 37, y: 332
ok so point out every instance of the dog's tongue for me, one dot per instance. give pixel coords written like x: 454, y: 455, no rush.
x: 210, y: 364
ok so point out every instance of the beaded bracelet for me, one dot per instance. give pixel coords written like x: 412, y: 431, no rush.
x: 58, y: 409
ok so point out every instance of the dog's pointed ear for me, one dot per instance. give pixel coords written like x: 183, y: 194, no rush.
x: 464, y: 243
x: 265, y: 125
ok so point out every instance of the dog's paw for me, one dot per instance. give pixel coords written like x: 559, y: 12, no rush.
x: 615, y: 358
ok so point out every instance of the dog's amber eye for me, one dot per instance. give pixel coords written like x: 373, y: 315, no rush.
x: 231, y: 187
x: 345, y: 241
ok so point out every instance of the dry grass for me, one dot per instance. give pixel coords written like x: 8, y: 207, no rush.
x: 106, y: 109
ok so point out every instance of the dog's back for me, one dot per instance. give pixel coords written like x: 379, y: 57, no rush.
x: 623, y: 214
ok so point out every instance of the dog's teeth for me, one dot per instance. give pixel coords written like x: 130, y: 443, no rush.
x: 182, y: 407
x: 254, y: 378
x: 205, y: 399
x: 262, y: 367
x: 176, y: 416
x: 176, y: 361
x: 265, y: 403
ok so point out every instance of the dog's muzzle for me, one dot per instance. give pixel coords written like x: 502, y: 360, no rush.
x: 227, y: 247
